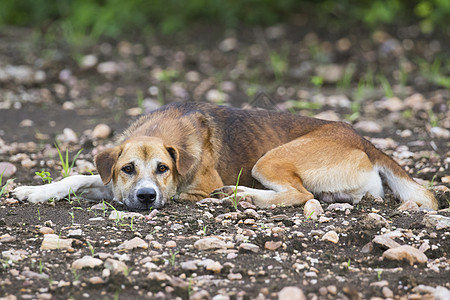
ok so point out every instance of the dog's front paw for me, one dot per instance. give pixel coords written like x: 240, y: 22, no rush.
x: 33, y: 194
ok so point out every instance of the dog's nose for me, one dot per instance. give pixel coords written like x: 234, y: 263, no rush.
x: 146, y: 195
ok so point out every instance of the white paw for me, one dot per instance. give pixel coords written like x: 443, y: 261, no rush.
x: 33, y: 194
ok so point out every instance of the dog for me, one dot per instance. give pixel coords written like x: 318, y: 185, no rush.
x: 190, y: 150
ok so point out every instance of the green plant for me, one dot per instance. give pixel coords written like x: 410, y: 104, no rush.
x: 4, y: 187
x: 386, y: 86
x: 129, y: 225
x: 317, y: 81
x: 172, y: 257
x: 279, y: 65
x: 91, y: 248
x: 67, y: 168
x: 41, y: 267
x: 45, y: 176
x: 119, y: 216
x: 348, y: 263
x: 432, y: 118
x: 379, y: 272
x: 72, y: 215
x: 204, y: 229
x: 39, y: 214
x: 140, y: 99
x: 346, y: 79
x: 76, y: 276
x: 310, y: 215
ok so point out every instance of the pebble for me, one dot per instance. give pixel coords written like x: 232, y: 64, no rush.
x: 117, y: 214
x: 385, y: 241
x: 331, y: 236
x: 46, y: 230
x: 54, y: 242
x: 214, y: 266
x: 171, y: 244
x: 89, y: 61
x: 330, y: 73
x: 10, y: 201
x: 272, y: 246
x: 436, y: 221
x: 407, y: 252
x: 417, y: 102
x: 332, y: 289
x: 312, y: 209
x: 116, y: 266
x: 200, y: 295
x: 340, y: 206
x: 441, y: 293
x: 101, y: 131
x: 387, y: 292
x: 108, y: 68
x: 210, y: 243
x: 408, y: 206
x: 6, y: 238
x: 291, y: 293
x: 7, y: 169
x: 190, y: 265
x: 234, y: 276
x: 249, y: 247
x: 159, y: 276
x: 76, y: 233
x: 86, y: 262
x: 368, y: 126
x: 391, y: 104
x: 328, y: 115
x: 216, y: 96
x: 374, y: 220
x: 134, y: 243
x: 21, y: 74
x: 68, y: 136
x: 96, y: 280
x: 34, y: 275
x: 440, y: 133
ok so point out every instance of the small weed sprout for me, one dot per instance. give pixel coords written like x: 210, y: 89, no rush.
x: 317, y: 81
x: 4, y: 187
x: 72, y: 215
x: 76, y: 276
x: 379, y: 272
x: 67, y: 167
x: 39, y: 214
x: 172, y: 257
x: 348, y: 263
x: 204, y: 229
x: 310, y: 215
x: 45, y: 176
x: 91, y: 248
x: 41, y: 267
x: 386, y: 86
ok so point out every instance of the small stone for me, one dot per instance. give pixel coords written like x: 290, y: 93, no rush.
x: 330, y: 73
x: 6, y: 238
x: 291, y: 293
x: 46, y: 230
x: 101, y: 131
x: 440, y: 133
x: 387, y: 292
x: 86, y: 262
x: 234, y: 276
x: 368, y: 126
x: 249, y: 247
x: 444, y: 179
x: 34, y: 275
x: 214, y: 266
x: 68, y: 136
x: 10, y: 201
x: 385, y: 241
x: 417, y: 102
x: 436, y: 221
x: 134, y: 243
x: 323, y: 291
x: 331, y: 236
x: 272, y: 246
x: 68, y: 105
x: 441, y: 293
x: 171, y: 244
x: 374, y: 220
x: 328, y: 115
x: 408, y: 206
x: 89, y: 61
x: 210, y: 243
x: 340, y: 206
x: 406, y: 252
x: 55, y: 242
x: 190, y: 265
x: 96, y: 280
x: 324, y: 219
x: 116, y: 266
x: 159, y: 276
x: 7, y: 169
x: 108, y: 68
x: 76, y: 233
x: 200, y: 295
x: 332, y: 289
x: 216, y: 96
x: 312, y: 209
x: 391, y: 104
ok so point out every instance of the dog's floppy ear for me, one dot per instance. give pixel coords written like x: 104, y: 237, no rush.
x: 184, y: 161
x: 105, y: 162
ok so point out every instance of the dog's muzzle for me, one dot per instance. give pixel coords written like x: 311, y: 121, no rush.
x: 146, y: 196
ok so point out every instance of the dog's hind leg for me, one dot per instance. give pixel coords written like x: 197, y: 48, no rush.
x: 88, y: 187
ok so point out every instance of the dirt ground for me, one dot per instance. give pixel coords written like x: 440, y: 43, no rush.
x: 73, y: 249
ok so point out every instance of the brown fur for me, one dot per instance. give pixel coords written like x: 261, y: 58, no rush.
x: 294, y: 157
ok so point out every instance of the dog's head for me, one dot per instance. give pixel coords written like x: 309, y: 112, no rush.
x: 144, y: 171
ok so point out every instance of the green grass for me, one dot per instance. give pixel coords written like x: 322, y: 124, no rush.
x: 386, y: 86
x: 45, y: 176
x: 66, y: 165
x: 4, y: 187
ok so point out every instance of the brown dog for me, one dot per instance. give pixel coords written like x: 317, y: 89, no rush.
x: 188, y: 150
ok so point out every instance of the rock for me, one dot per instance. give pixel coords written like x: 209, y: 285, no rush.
x: 15, y: 255
x: 158, y: 276
x: 249, y: 247
x: 405, y: 252
x: 34, y: 275
x: 408, y: 206
x: 391, y: 104
x: 10, y: 201
x: 323, y: 219
x: 7, y: 169
x: 272, y: 246
x: 101, y: 131
x: 190, y: 265
x: 385, y: 242
x: 6, y: 238
x: 234, y: 276
x: 86, y: 262
x: 328, y: 115
x: 210, y: 243
x: 21, y: 74
x: 68, y: 136
x: 46, y: 230
x: 134, y: 243
x: 76, y: 233
x: 117, y: 215
x: 96, y: 280
x: 417, y: 102
x: 312, y: 209
x: 330, y: 73
x: 332, y: 289
x: 228, y: 44
x: 214, y: 266
x: 291, y: 293
x: 368, y: 126
x: 340, y: 206
x: 441, y: 293
x: 116, y: 266
x: 437, y: 221
x: 171, y: 244
x: 373, y: 220
x: 200, y: 295
x: 387, y: 292
x: 109, y: 68
x: 88, y: 61
x: 54, y: 242
x: 444, y: 179
x: 331, y: 236
x: 216, y: 96
x: 440, y: 133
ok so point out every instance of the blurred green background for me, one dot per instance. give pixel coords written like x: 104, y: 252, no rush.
x: 111, y: 18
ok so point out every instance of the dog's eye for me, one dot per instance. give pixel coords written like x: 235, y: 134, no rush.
x: 128, y: 169
x: 162, y: 168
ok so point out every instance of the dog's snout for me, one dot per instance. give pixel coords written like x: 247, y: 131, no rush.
x: 146, y: 195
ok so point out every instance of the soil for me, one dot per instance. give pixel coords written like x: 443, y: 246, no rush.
x: 224, y: 69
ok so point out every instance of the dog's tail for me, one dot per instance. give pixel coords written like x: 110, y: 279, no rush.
x: 403, y: 186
